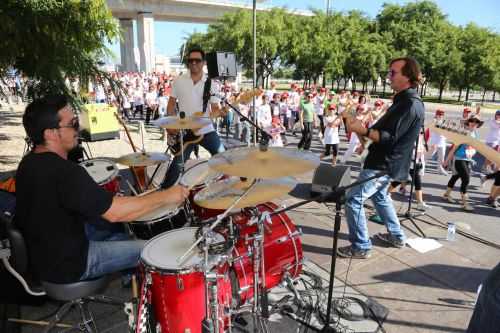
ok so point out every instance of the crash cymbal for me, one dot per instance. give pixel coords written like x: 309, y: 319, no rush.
x: 222, y: 194
x: 142, y: 159
x: 251, y: 162
x: 188, y: 122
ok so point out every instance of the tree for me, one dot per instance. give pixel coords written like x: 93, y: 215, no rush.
x: 49, y: 41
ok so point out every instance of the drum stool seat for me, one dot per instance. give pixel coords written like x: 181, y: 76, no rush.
x: 77, y: 294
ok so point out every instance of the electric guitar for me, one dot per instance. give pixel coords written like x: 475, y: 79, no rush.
x: 460, y: 135
x: 190, y: 138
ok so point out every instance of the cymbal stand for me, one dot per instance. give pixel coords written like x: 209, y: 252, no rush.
x: 220, y: 217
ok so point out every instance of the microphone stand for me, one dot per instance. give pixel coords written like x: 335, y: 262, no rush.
x: 408, y: 215
x: 338, y: 197
x: 265, y: 137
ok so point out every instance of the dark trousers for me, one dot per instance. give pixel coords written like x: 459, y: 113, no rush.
x: 463, y: 172
x: 486, y: 315
x: 305, y: 142
x: 321, y: 124
x: 210, y: 142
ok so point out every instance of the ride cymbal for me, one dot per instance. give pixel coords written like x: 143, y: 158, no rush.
x: 275, y: 162
x: 222, y: 194
x: 188, y: 122
x: 142, y: 159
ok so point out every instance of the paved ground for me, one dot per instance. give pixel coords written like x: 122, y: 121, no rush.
x: 432, y: 292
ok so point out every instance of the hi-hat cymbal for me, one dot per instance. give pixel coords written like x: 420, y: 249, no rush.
x: 253, y: 163
x: 142, y: 159
x: 222, y: 194
x: 188, y: 122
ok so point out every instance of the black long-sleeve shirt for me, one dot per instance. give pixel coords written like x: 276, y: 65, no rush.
x: 398, y: 128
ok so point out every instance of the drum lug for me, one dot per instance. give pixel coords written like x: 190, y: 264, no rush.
x: 180, y: 284
x: 294, y: 234
x: 243, y: 289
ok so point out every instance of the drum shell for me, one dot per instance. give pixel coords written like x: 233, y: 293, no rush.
x: 151, y: 228
x: 282, y: 253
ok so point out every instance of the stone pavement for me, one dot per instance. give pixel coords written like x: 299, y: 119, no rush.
x: 431, y: 292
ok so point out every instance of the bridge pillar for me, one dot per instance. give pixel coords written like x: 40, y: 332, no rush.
x: 146, y: 41
x: 127, y: 45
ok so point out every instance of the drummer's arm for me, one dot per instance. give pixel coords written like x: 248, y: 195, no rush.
x: 171, y: 106
x: 127, y: 209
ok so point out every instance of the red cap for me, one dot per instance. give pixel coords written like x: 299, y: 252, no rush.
x: 332, y: 107
x: 322, y: 89
x: 467, y: 110
x: 378, y: 102
x: 439, y: 112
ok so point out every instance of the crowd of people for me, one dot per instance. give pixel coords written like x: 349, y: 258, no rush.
x: 317, y: 112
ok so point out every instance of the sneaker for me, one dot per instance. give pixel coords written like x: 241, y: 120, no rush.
x: 349, y: 252
x: 482, y: 180
x: 491, y: 202
x: 467, y: 207
x: 422, y: 206
x: 448, y: 198
x: 390, y: 239
x: 443, y: 171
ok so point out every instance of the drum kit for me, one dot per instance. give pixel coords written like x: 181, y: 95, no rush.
x: 217, y: 256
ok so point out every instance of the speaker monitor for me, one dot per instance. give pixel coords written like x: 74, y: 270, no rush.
x: 221, y: 64
x: 327, y: 178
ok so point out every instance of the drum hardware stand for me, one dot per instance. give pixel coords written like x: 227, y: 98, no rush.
x: 219, y: 219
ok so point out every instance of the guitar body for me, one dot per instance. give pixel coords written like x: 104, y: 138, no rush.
x: 189, y: 138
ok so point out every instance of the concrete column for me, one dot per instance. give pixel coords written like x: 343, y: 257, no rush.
x: 146, y: 41
x: 127, y: 45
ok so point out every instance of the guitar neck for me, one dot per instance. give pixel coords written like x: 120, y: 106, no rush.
x: 459, y: 138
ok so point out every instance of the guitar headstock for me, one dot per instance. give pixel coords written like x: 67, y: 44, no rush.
x: 453, y: 130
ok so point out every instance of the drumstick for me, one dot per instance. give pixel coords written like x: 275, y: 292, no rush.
x: 131, y: 187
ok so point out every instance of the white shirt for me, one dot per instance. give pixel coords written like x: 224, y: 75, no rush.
x: 264, y: 117
x: 151, y: 98
x: 331, y: 135
x: 318, y: 105
x: 190, y: 96
x: 493, y: 136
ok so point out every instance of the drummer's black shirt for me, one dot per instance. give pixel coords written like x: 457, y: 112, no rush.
x: 54, y: 198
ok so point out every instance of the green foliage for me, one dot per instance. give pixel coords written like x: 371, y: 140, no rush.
x: 51, y: 40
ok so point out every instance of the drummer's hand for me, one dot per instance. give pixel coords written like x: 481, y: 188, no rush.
x: 177, y: 194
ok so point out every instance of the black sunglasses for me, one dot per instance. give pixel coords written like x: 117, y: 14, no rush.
x: 194, y: 60
x: 75, y: 124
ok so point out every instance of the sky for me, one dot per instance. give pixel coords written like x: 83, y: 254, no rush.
x: 169, y: 36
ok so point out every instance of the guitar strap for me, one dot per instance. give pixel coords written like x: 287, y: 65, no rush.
x: 206, y: 94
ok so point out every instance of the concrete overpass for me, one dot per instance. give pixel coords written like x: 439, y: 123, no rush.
x: 147, y: 11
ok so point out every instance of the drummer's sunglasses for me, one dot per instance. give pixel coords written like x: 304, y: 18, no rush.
x: 75, y: 124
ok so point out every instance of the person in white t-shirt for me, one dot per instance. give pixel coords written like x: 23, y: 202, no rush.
x: 331, y: 136
x: 493, y: 139
x: 151, y: 103
x: 187, y: 91
x: 438, y: 144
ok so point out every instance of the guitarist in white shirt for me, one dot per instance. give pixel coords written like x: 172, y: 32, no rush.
x: 188, y: 91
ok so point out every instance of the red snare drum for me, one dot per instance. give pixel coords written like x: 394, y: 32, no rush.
x: 178, y: 291
x: 282, y: 252
x: 104, y: 172
x: 189, y: 179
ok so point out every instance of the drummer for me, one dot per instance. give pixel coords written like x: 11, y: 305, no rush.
x: 194, y: 92
x: 57, y: 198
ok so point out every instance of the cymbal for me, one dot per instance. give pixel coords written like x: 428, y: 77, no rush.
x: 222, y: 194
x: 188, y: 122
x: 142, y: 159
x: 251, y: 162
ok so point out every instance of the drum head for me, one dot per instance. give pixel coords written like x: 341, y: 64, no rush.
x: 161, y: 253
x: 160, y: 213
x: 159, y: 175
x: 192, y: 173
x: 101, y: 170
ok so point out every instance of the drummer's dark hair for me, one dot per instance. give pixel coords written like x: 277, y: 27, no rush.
x: 42, y: 114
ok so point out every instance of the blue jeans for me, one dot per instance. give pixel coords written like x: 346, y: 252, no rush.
x: 110, y: 252
x: 375, y: 189
x: 486, y: 318
x: 210, y: 142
